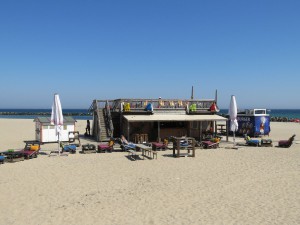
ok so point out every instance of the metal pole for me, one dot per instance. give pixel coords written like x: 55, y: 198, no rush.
x: 199, y: 131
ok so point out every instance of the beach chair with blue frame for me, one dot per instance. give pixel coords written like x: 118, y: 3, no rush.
x: 252, y: 142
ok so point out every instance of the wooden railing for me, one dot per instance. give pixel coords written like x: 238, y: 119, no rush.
x: 108, y: 118
x: 158, y: 104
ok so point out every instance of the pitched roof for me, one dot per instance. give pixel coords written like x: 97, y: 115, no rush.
x: 47, y: 120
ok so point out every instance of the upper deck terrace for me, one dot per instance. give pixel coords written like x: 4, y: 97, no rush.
x: 159, y: 105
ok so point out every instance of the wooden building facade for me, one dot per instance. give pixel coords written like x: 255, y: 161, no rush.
x: 156, y: 118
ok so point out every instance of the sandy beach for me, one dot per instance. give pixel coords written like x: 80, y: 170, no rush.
x: 251, y: 185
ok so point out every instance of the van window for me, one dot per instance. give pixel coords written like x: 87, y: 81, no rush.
x: 260, y: 111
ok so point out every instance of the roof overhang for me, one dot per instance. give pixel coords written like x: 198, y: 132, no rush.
x: 47, y: 120
x: 168, y: 117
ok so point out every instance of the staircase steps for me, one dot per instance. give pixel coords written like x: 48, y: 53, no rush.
x: 103, y: 129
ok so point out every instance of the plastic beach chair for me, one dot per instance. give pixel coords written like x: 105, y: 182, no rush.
x: 126, y: 147
x: 252, y: 142
x: 266, y: 143
x: 286, y: 143
x: 209, y: 144
x: 69, y: 148
x: 31, y: 149
x: 88, y: 148
x: 159, y: 145
x: 106, y: 147
x: 13, y: 156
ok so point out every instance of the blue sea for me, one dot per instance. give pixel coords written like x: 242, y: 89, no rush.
x: 84, y: 114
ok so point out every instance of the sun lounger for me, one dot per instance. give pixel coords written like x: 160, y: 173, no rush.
x: 252, y: 142
x: 266, y: 143
x: 69, y: 148
x: 286, y: 143
x: 88, y: 148
x: 159, y: 146
x: 66, y: 147
x: 31, y: 149
x: 209, y: 144
x: 127, y: 147
x: 106, y: 147
x: 14, y: 156
x: 29, y: 154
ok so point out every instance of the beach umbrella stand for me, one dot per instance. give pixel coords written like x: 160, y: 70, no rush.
x: 57, y: 118
x: 233, y: 117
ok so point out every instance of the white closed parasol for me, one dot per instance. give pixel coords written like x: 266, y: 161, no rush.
x: 233, y: 116
x: 57, y: 118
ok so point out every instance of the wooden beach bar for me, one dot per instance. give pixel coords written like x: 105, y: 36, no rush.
x: 146, y: 120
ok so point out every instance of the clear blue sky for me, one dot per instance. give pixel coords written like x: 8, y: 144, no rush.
x: 87, y: 50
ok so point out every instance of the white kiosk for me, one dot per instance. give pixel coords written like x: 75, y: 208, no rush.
x: 45, y: 132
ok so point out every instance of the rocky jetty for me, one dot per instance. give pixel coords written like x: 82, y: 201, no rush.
x: 284, y: 119
x: 41, y: 114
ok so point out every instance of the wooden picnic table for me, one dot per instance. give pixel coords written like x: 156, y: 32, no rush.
x: 146, y: 149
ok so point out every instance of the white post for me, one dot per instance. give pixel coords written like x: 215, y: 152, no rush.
x: 58, y: 145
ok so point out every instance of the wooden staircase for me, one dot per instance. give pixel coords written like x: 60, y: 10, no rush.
x: 103, y: 129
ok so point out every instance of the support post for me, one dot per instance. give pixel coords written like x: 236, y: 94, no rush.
x: 128, y: 130
x: 201, y: 134
x: 158, y: 131
x: 227, y: 130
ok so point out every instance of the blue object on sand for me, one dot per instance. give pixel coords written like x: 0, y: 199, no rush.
x: 69, y: 148
x: 2, y: 158
x: 252, y: 142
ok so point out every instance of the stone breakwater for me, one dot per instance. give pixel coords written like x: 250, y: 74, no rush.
x: 284, y: 119
x: 41, y: 114
x: 274, y: 118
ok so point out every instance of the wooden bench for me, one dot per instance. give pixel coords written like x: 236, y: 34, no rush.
x: 150, y: 153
